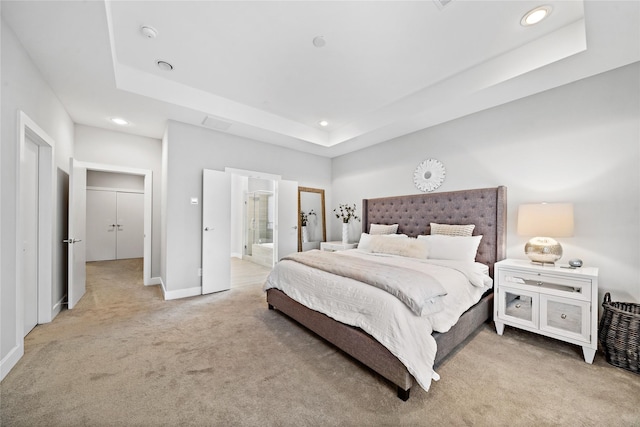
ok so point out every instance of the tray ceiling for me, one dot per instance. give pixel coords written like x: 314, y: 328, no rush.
x: 387, y: 68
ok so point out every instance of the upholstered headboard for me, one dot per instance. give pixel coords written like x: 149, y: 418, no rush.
x: 484, y: 207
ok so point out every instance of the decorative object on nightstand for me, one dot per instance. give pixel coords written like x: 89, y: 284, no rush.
x: 429, y: 175
x: 551, y: 301
x: 346, y: 213
x: 545, y: 221
x: 575, y: 263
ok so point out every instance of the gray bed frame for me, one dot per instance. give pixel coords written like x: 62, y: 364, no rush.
x: 486, y: 208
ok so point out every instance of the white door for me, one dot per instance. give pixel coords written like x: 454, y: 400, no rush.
x: 77, y: 229
x: 130, y: 225
x: 115, y: 225
x: 29, y: 209
x: 216, y: 231
x: 101, y: 225
x: 287, y: 218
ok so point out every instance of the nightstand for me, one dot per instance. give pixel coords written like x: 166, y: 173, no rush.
x: 557, y: 302
x: 337, y: 246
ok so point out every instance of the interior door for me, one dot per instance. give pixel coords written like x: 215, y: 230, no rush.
x: 77, y: 228
x: 287, y: 228
x: 29, y: 210
x: 101, y: 225
x: 130, y: 225
x: 216, y: 231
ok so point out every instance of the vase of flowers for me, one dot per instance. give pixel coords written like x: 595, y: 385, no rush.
x: 345, y: 232
x: 304, y: 218
x: 346, y: 213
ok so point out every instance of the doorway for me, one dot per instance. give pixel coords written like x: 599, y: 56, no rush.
x: 259, y: 206
x: 29, y: 213
x: 115, y: 216
x: 223, y: 209
x: 34, y: 235
x: 77, y: 222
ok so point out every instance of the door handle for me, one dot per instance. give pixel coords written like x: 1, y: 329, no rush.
x: 208, y: 229
x: 295, y: 227
x: 71, y: 241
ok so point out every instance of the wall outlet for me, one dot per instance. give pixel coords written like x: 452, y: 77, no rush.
x: 200, y: 272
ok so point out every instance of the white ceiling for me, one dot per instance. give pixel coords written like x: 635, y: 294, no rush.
x: 388, y: 67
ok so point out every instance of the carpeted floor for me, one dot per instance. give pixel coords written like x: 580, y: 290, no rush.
x: 125, y: 357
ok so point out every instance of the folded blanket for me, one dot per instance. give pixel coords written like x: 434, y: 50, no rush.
x: 419, y: 291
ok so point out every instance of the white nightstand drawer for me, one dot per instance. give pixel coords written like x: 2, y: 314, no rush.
x: 518, y: 306
x: 565, y: 317
x: 555, y: 285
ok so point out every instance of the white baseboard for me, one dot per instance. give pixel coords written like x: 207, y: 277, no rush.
x: 180, y: 293
x: 153, y: 281
x: 57, y: 308
x: 11, y: 359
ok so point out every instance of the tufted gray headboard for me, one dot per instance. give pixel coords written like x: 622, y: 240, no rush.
x: 484, y: 207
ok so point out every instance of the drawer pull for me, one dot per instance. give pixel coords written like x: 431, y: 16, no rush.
x: 563, y: 316
x: 518, y: 305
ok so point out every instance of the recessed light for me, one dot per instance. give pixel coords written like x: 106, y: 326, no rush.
x: 149, y: 32
x: 319, y: 41
x: 119, y: 121
x: 164, y: 65
x: 536, y: 15
x: 323, y: 123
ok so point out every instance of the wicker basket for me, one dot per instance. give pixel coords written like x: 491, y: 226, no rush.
x: 619, y: 334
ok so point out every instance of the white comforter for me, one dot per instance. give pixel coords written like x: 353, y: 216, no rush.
x: 382, y: 315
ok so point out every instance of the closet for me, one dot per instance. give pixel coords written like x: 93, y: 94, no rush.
x: 115, y: 217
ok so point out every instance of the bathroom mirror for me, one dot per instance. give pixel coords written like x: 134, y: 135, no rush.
x: 311, y: 219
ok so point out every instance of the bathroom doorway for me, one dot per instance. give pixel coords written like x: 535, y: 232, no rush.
x: 259, y: 220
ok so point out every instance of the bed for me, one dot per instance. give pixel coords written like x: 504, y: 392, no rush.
x: 485, y: 208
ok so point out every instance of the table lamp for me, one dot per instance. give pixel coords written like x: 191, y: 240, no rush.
x: 545, y: 221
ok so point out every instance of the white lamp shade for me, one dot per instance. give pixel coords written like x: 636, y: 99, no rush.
x: 545, y: 219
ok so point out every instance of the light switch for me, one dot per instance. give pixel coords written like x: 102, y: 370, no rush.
x: 194, y: 200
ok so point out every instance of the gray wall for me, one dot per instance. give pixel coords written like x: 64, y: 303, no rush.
x: 23, y: 88
x: 120, y: 149
x: 577, y: 143
x: 189, y: 150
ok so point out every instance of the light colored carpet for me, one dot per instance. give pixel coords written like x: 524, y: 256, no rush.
x: 125, y: 357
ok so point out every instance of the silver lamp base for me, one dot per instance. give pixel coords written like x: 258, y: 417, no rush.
x: 543, y: 250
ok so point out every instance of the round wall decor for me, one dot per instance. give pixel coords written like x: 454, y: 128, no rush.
x: 429, y: 175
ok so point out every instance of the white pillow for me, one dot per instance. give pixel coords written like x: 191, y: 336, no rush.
x: 383, y: 229
x: 462, y: 248
x: 409, y: 247
x: 452, y: 229
x: 366, y: 239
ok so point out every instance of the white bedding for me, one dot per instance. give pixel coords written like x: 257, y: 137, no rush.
x: 382, y: 315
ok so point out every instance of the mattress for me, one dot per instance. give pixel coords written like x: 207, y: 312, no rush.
x: 380, y: 314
